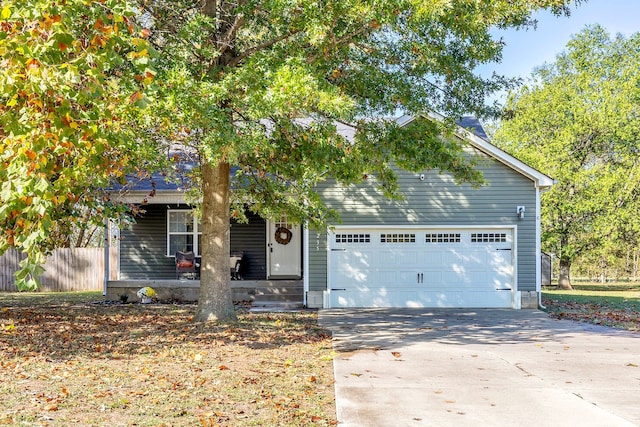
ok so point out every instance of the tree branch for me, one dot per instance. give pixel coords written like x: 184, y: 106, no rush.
x: 227, y: 40
x: 268, y: 43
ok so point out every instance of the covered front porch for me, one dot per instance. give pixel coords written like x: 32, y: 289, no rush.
x: 260, y: 293
x: 271, y: 269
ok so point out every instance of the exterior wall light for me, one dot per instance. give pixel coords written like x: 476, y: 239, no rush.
x: 520, y: 212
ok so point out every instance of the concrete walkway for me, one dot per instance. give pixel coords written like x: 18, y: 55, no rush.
x: 462, y: 367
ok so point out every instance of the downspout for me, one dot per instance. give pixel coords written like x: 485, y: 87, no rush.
x: 107, y: 244
x: 539, y: 192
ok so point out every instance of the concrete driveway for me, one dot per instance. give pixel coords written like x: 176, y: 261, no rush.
x: 463, y: 367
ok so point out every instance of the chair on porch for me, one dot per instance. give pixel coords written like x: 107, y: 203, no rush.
x: 236, y: 264
x: 185, y: 263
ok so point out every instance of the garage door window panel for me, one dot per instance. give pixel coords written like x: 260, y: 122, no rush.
x: 488, y: 237
x: 398, y: 238
x: 442, y: 238
x: 353, y: 238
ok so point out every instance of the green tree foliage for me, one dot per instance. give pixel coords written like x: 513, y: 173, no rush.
x: 265, y: 86
x: 69, y: 72
x: 578, y: 121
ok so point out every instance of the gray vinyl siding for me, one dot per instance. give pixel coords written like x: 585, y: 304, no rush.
x: 143, y: 246
x: 437, y: 201
x: 251, y: 239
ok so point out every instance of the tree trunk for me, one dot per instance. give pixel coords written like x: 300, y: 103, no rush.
x: 564, y: 279
x: 215, y: 300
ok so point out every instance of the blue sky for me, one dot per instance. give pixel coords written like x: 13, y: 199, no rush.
x: 526, y: 50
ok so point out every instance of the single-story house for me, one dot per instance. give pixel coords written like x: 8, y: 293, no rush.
x: 444, y: 245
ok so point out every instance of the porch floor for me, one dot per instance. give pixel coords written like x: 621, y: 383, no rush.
x: 261, y: 293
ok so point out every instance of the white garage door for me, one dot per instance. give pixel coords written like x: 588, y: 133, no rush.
x: 421, y: 268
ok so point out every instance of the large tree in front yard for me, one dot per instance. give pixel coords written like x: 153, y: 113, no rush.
x: 578, y: 120
x: 262, y: 87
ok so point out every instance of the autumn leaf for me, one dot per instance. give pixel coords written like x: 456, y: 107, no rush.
x: 31, y: 154
x: 6, y: 12
x: 135, y: 96
x: 51, y: 407
x: 396, y: 354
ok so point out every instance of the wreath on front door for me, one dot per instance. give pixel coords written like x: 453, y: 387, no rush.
x: 283, y: 235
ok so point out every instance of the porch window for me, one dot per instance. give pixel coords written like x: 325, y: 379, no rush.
x: 183, y: 232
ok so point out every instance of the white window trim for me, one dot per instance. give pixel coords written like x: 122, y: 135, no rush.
x: 195, y: 233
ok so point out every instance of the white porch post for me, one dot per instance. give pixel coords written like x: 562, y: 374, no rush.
x: 305, y: 263
x: 107, y: 252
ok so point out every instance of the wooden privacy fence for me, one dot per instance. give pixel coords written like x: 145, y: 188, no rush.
x: 67, y: 269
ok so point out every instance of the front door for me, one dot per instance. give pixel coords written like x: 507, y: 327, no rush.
x: 284, y: 250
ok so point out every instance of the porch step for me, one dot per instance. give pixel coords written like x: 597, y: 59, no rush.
x: 286, y: 294
x: 275, y: 306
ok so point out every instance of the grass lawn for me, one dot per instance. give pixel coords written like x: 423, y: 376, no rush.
x: 616, y: 305
x: 68, y: 358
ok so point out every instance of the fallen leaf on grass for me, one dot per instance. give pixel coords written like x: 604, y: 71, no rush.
x: 223, y: 368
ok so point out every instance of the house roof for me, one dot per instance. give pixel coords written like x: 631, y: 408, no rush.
x: 473, y: 125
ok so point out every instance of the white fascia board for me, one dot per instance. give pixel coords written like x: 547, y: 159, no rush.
x: 541, y: 180
x: 161, y: 197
